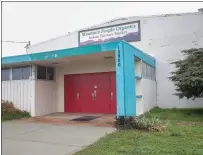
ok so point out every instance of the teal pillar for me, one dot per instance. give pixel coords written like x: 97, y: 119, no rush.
x: 125, y: 81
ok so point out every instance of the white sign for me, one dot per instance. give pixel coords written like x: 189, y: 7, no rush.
x: 128, y: 32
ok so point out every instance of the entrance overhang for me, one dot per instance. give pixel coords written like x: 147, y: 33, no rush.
x: 124, y: 62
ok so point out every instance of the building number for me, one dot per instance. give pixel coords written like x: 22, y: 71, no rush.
x: 119, y: 63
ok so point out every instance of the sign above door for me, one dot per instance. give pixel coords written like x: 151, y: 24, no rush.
x: 129, y: 32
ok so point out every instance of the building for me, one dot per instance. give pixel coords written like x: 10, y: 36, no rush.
x: 131, y: 76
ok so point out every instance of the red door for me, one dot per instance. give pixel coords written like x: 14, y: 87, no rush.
x: 90, y: 93
x: 100, y: 93
x: 71, y: 94
x: 112, y: 103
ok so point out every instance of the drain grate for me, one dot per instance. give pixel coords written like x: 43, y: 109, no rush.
x: 85, y: 118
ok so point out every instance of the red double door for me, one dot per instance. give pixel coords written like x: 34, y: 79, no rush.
x: 90, y: 93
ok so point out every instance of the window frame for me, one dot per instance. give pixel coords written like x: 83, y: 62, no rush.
x: 52, y: 74
x: 9, y: 71
x: 30, y: 72
x: 144, y: 70
x: 37, y: 77
x: 21, y: 72
x: 47, y: 77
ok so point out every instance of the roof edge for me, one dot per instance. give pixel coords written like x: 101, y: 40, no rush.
x: 117, y: 19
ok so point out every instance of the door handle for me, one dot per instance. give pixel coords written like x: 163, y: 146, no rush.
x: 92, y: 96
x: 95, y: 95
x: 111, y: 95
x: 78, y: 96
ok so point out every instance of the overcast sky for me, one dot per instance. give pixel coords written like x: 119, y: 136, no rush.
x: 39, y: 21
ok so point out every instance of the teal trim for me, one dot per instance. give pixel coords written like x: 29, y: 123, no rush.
x: 138, y: 77
x: 129, y: 80
x: 142, y: 56
x: 138, y: 96
x: 83, y: 50
x: 120, y: 96
x: 125, y: 81
x: 16, y: 59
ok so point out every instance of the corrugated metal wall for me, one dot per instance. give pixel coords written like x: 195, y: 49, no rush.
x: 19, y: 92
x: 45, y: 94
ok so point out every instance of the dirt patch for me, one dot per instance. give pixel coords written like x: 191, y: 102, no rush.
x: 103, y: 121
x: 189, y: 123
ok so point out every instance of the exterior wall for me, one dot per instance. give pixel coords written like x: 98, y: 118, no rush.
x: 76, y: 67
x: 45, y: 93
x: 139, y: 101
x: 164, y: 38
x: 19, y: 92
x: 148, y: 94
x: 67, y: 41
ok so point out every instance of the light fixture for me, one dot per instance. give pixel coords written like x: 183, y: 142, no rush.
x: 108, y: 57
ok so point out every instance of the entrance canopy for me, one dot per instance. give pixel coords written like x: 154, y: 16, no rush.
x: 82, y: 50
x: 125, y: 55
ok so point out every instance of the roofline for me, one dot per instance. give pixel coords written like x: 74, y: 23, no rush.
x: 116, y: 19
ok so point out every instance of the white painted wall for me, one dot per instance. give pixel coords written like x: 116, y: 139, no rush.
x: 77, y: 67
x: 148, y: 94
x: 67, y: 41
x: 164, y: 38
x: 146, y: 88
x: 139, y: 101
x: 20, y: 92
x: 45, y: 101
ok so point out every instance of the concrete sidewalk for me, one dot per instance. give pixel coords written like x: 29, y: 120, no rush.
x: 24, y: 138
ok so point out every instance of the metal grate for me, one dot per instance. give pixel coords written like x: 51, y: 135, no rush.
x: 85, y: 118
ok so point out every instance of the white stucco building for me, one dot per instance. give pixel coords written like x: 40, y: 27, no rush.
x: 161, y: 36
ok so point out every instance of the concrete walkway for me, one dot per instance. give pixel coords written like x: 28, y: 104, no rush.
x: 23, y: 138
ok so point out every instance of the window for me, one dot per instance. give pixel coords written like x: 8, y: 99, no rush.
x: 154, y: 71
x: 19, y: 73
x: 45, y: 73
x: 144, y: 70
x: 50, y: 73
x: 16, y: 73
x: 5, y: 74
x: 26, y: 72
x: 151, y: 73
x: 148, y: 72
x: 41, y: 72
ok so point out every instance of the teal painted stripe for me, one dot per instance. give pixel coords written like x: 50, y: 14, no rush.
x: 83, y: 50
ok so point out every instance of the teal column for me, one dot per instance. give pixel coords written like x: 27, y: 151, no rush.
x: 120, y: 96
x: 125, y: 81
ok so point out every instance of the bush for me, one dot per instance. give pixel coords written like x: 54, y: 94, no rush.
x: 140, y: 123
x: 9, y: 112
